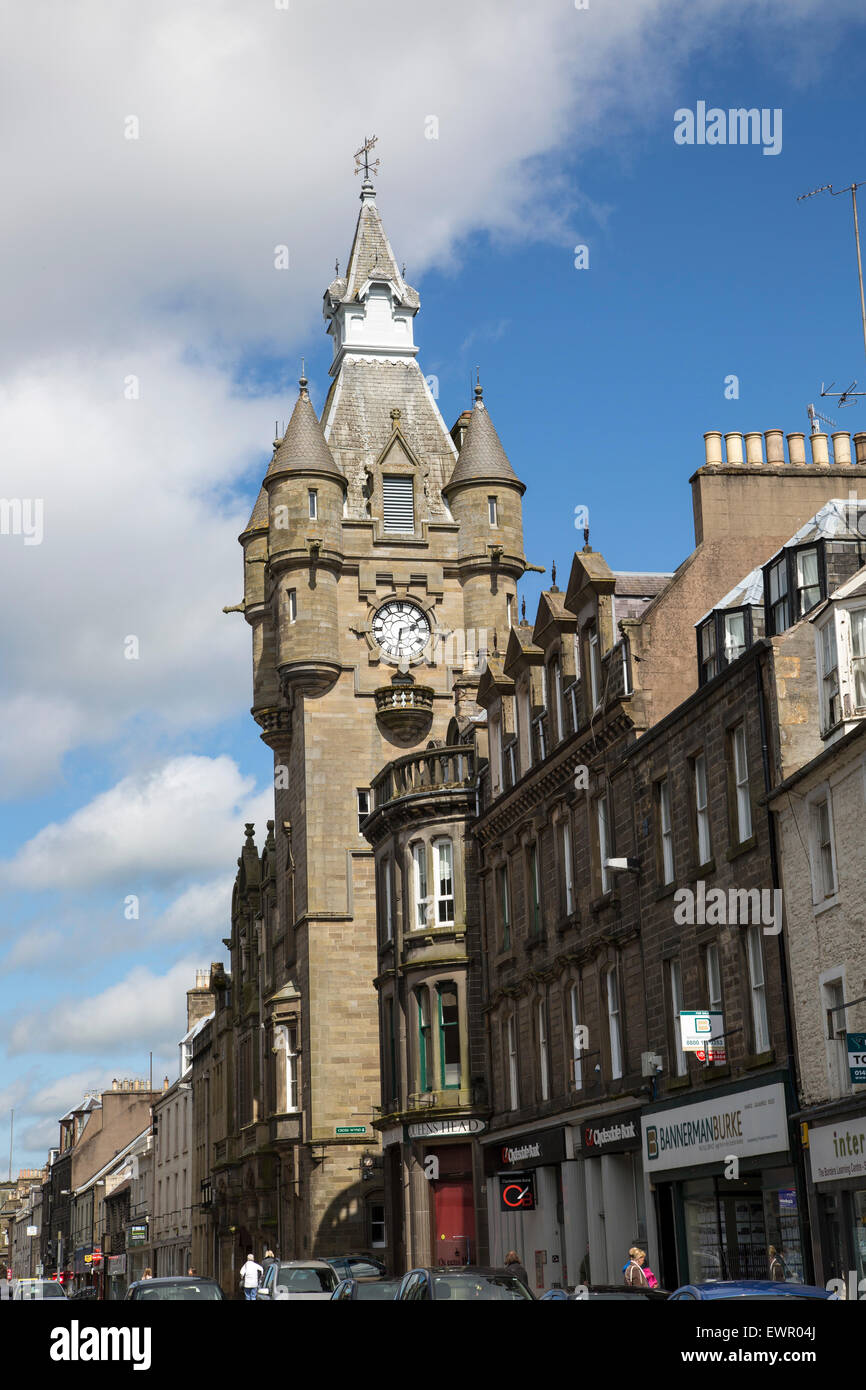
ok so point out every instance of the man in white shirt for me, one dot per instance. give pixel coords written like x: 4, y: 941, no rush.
x: 251, y: 1277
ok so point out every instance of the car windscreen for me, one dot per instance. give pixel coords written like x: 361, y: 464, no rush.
x: 377, y: 1289
x: 308, y: 1279
x: 179, y: 1293
x: 487, y: 1288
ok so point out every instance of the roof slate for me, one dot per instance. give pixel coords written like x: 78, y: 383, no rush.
x: 482, y: 457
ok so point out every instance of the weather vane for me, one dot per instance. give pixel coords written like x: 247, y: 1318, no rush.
x: 362, y: 157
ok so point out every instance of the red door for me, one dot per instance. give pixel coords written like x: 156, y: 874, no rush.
x: 454, y: 1207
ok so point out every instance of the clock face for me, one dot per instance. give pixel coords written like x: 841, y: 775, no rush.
x: 401, y: 629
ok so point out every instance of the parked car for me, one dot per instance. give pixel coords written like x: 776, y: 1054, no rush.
x: 89, y: 1292
x: 365, y: 1290
x: 37, y: 1288
x: 307, y: 1279
x: 464, y: 1282
x: 356, y: 1266
x: 749, y: 1288
x: 591, y: 1293
x: 176, y: 1288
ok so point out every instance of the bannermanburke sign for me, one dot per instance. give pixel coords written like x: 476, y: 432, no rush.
x: 744, y: 1123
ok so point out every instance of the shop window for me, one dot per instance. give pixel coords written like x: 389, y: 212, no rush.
x: 449, y: 1036
x: 376, y: 1225
x: 444, y: 883
x: 757, y: 990
x: 425, y: 1040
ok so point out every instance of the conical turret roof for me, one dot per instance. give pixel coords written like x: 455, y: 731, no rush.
x: 482, y: 457
x: 303, y: 448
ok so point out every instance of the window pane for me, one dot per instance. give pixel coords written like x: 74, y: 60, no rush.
x: 449, y: 1035
x: 444, y: 883
x: 735, y: 635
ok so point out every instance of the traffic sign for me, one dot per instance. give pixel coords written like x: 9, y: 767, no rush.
x: 351, y: 1129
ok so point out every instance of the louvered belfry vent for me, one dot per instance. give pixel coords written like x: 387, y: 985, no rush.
x: 398, y: 504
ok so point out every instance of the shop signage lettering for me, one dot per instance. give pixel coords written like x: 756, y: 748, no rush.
x: 525, y: 1151
x: 517, y: 1193
x: 838, y: 1151
x: 611, y: 1134
x: 857, y: 1058
x: 745, y: 1123
x: 429, y: 1129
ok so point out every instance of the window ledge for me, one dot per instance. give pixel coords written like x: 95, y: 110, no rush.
x: 818, y: 908
x: 759, y: 1059
x: 736, y: 850
x: 677, y: 1083
x: 608, y: 899
x: 703, y: 869
x: 667, y: 891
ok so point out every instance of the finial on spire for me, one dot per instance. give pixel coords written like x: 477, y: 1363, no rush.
x: 362, y: 158
x: 479, y: 394
x: 337, y: 268
x: 302, y: 379
x: 586, y: 538
x: 553, y: 575
x: 523, y: 609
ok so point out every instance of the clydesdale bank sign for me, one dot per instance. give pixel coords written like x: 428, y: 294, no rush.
x: 742, y: 1123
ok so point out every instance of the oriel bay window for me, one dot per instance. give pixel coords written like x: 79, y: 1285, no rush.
x: 425, y: 1040
x: 419, y: 886
x: 444, y: 852
x: 449, y: 1035
x: 287, y: 1041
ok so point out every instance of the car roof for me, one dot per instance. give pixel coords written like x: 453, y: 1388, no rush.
x: 177, y: 1279
x: 725, y: 1288
x: 303, y: 1264
x: 461, y: 1269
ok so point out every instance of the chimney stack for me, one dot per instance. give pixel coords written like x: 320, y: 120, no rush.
x: 860, y: 446
x: 841, y: 447
x: 734, y: 447
x: 199, y: 1000
x: 797, y: 447
x: 775, y: 440
x: 754, y: 450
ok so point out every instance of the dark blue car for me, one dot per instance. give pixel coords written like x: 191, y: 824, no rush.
x: 749, y: 1288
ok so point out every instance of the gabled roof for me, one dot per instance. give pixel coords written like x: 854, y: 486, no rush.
x: 588, y: 568
x: 493, y: 679
x: 482, y: 457
x: 303, y: 448
x: 552, y: 612
x: 521, y: 647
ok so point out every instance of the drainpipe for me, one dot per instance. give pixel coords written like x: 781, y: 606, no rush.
x: 799, y: 1162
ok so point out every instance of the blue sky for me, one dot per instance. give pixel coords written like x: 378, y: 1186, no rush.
x: 153, y: 259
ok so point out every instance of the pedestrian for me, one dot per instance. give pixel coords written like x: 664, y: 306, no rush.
x: 191, y: 1274
x: 251, y: 1277
x: 584, y: 1271
x: 268, y: 1260
x: 148, y: 1273
x: 634, y: 1273
x: 513, y: 1265
x: 778, y: 1271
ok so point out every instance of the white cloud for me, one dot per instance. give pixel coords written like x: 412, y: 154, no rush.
x: 143, y: 1009
x: 203, y: 910
x: 153, y: 827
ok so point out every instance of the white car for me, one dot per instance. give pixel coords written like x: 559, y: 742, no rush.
x: 37, y: 1289
x: 307, y: 1279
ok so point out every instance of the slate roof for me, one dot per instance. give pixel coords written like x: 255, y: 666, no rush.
x: 370, y: 258
x: 303, y: 446
x: 482, y: 457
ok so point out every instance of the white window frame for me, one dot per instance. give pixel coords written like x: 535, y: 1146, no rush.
x: 603, y: 831
x: 493, y: 511
x: 441, y: 898
x: 613, y: 1022
x: 675, y: 976
x: 827, y: 644
x: 543, y: 1055
x: 362, y: 804
x: 835, y: 1044
x: 513, y: 1073
x: 576, y: 1049
x: 313, y: 503
x: 291, y: 1085
x: 292, y: 604
x: 420, y: 893
x: 567, y: 869
x: 702, y: 810
x: 666, y: 833
x: 740, y: 753
x: 857, y: 660
x: 825, y: 892
x: 757, y: 989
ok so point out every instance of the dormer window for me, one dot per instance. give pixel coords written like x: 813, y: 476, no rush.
x: 808, y: 582
x: 735, y: 635
x: 722, y: 639
x: 709, y: 661
x: 778, y: 589
x: 858, y: 657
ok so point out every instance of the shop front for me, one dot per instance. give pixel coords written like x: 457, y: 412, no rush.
x: 433, y: 1189
x: 138, y: 1252
x: 525, y: 1202
x: 606, y: 1210
x: 837, y: 1164
x: 722, y: 1184
x: 115, y: 1277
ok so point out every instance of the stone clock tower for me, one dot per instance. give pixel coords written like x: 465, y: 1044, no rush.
x: 381, y: 555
